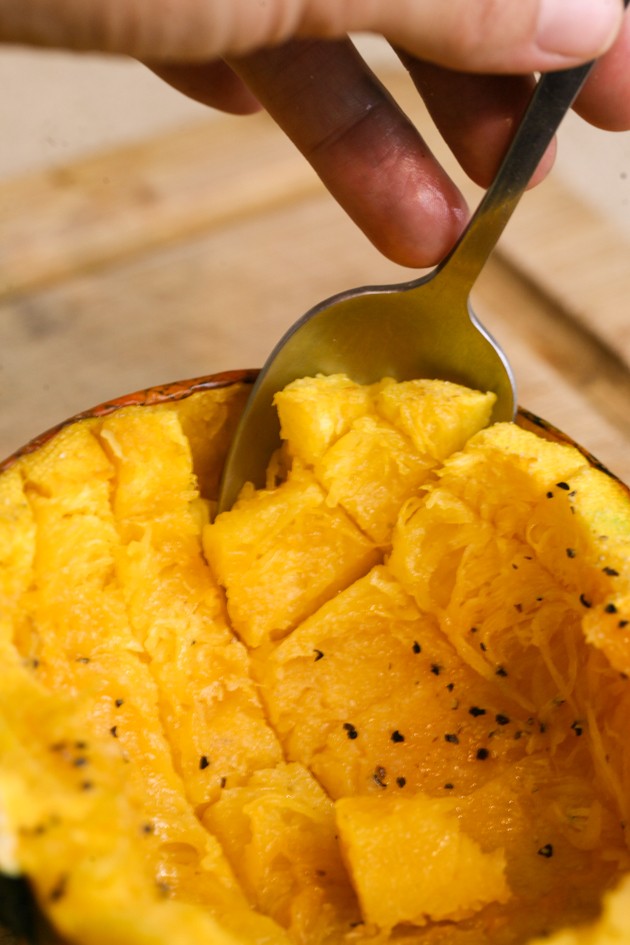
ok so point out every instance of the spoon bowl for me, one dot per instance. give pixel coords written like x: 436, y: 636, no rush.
x: 425, y: 328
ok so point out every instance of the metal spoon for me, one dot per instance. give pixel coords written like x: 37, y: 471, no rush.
x: 424, y: 328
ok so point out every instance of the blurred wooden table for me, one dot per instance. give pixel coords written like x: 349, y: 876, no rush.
x: 193, y: 253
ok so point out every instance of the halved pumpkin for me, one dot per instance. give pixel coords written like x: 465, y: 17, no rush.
x: 384, y: 699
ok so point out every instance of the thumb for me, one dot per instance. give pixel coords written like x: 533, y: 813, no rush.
x: 502, y: 36
x: 482, y: 36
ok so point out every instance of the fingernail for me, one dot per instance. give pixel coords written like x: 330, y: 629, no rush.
x: 577, y: 29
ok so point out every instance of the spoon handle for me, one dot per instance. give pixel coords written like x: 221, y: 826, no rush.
x: 552, y: 97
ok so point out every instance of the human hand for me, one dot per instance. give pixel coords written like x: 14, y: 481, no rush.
x: 472, y: 64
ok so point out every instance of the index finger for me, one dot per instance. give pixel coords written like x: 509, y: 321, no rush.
x: 365, y: 150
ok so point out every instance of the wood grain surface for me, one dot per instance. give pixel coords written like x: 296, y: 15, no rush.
x: 193, y: 252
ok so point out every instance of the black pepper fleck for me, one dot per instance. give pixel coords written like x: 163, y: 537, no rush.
x: 570, y: 552
x: 611, y: 572
x: 584, y: 601
x: 546, y: 851
x: 416, y: 647
x: 203, y: 762
x: 396, y: 736
x: 475, y: 711
x: 401, y: 781
x: 482, y: 754
x: 118, y: 703
x: 500, y: 671
x: 452, y: 738
x: 622, y: 624
x: 379, y: 776
x: 114, y: 731
x: 436, y: 669
x: 610, y: 609
x: 350, y: 730
x: 448, y: 786
x: 59, y: 889
x: 563, y: 485
x: 577, y: 727
x: 501, y: 719
x: 318, y: 655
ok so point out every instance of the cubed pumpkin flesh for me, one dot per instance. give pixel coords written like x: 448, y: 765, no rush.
x: 447, y: 875
x: 280, y: 832
x: 315, y: 412
x: 372, y: 447
x: 383, y: 699
x: 209, y: 707
x: 287, y: 537
x: 369, y: 472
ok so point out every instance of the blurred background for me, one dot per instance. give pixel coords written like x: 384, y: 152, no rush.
x: 144, y: 238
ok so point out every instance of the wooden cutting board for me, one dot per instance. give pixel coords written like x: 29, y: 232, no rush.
x: 193, y: 252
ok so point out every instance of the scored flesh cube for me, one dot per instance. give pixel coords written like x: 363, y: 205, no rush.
x: 315, y: 411
x: 370, y: 471
x: 279, y: 832
x: 209, y: 705
x: 347, y: 692
x: 446, y: 876
x: 437, y: 416
x: 288, y: 538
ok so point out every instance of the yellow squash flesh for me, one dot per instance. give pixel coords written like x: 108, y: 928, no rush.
x: 384, y: 699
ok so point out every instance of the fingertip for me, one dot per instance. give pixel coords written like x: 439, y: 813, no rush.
x: 366, y: 151
x: 577, y: 30
x: 395, y: 190
x: 420, y: 234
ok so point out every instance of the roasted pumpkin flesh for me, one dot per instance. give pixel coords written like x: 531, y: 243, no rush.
x: 386, y: 698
